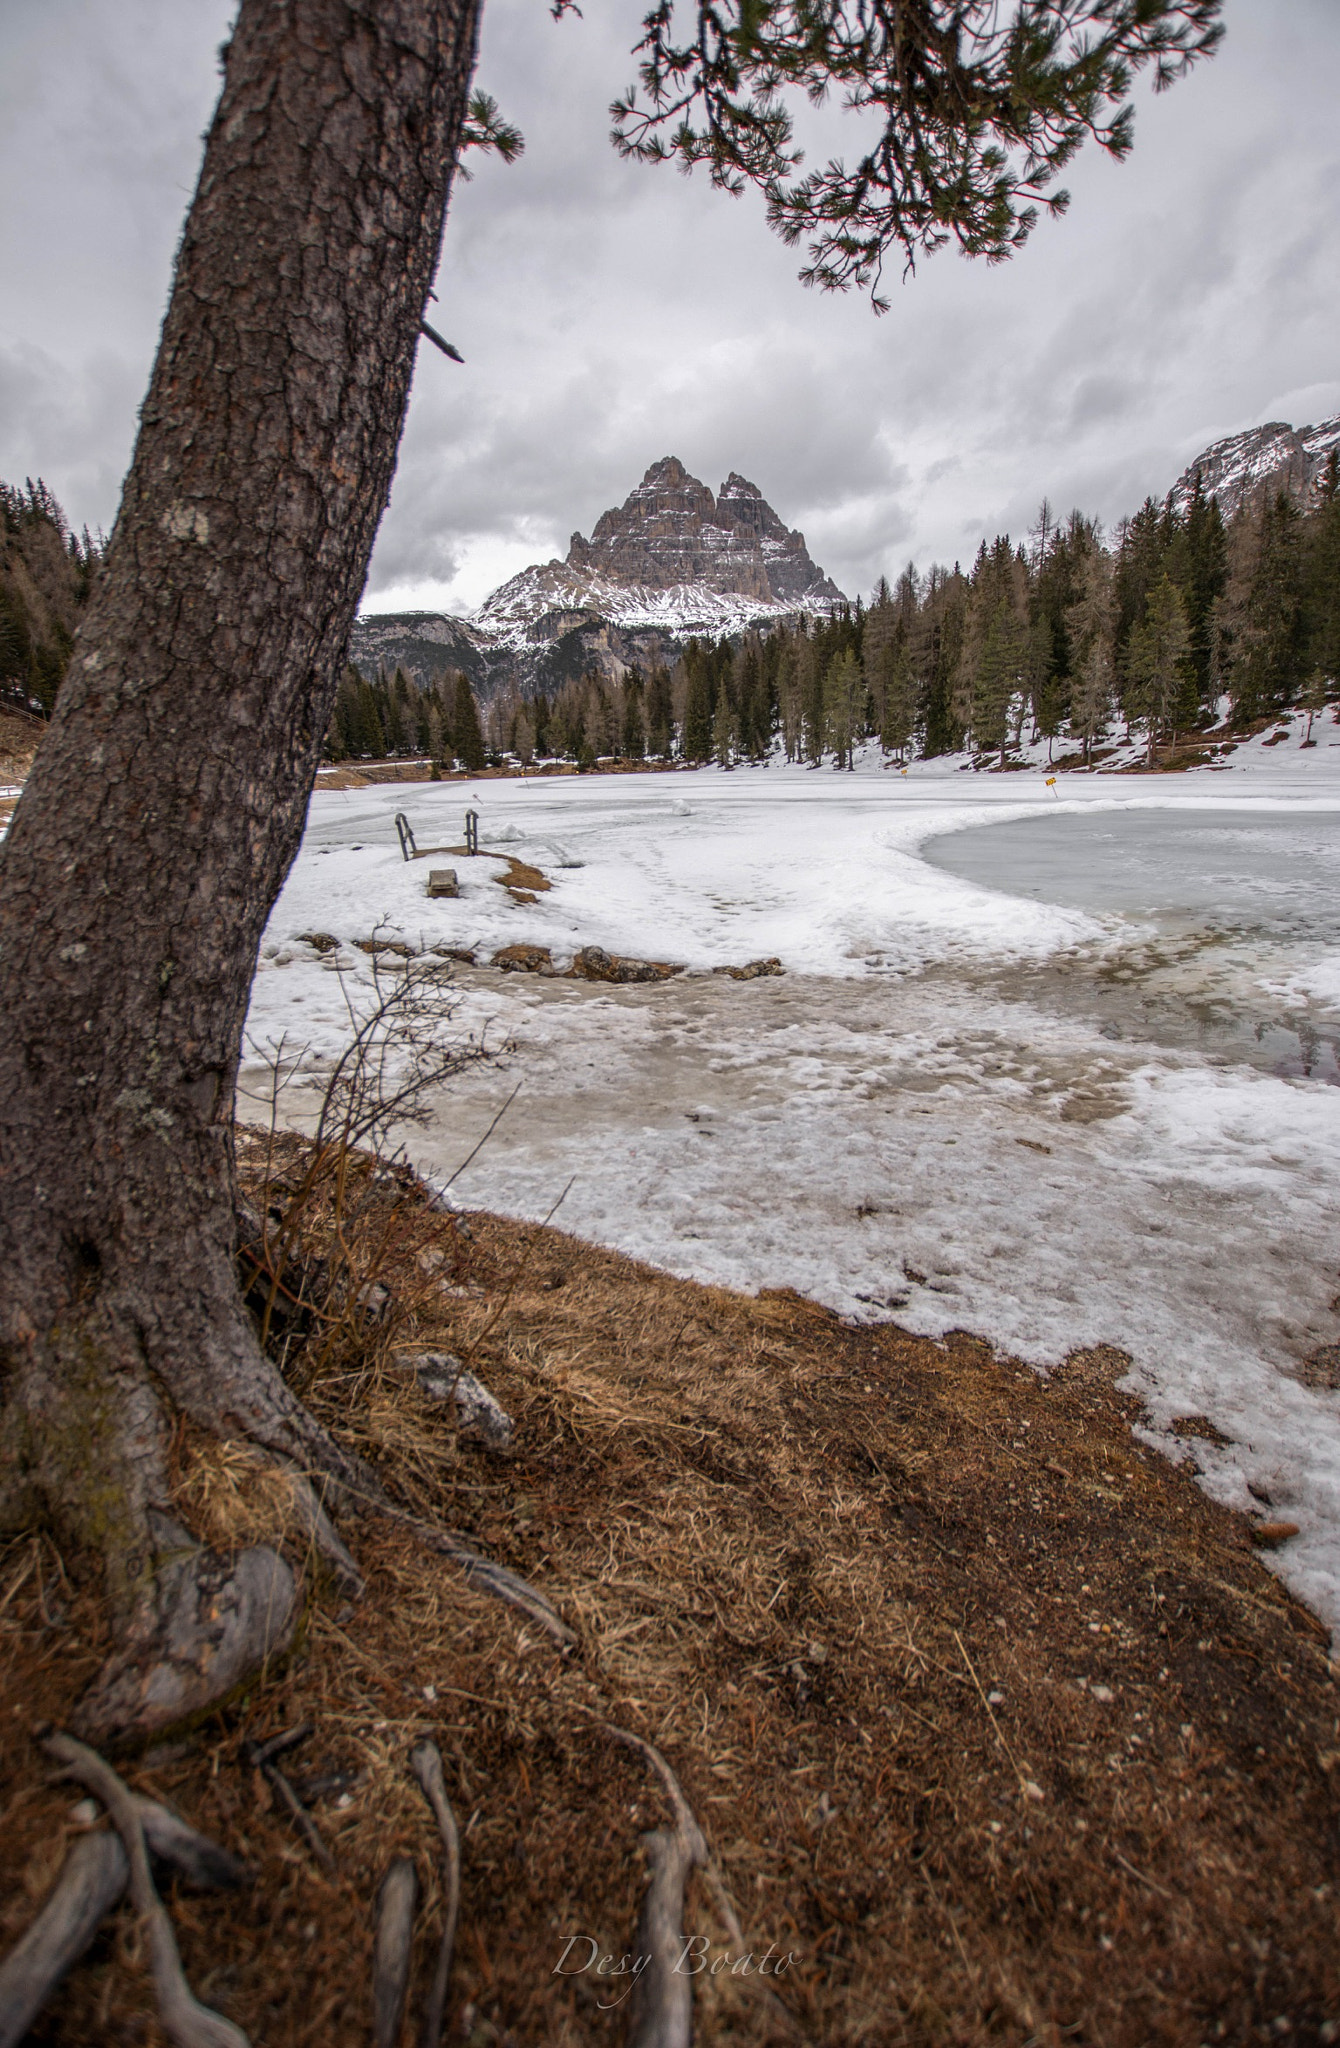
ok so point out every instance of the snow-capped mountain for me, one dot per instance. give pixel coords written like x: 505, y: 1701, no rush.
x: 1272, y: 458
x: 671, y: 559
x: 671, y: 562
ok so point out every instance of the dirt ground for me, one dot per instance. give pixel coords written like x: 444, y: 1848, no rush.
x: 997, y: 1729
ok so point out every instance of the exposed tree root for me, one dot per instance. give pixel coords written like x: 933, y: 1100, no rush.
x: 191, y: 1855
x: 317, y: 1526
x: 190, y: 2024
x: 92, y: 1879
x: 262, y: 1757
x: 204, y: 1626
x: 485, y: 1573
x: 662, y: 2003
x: 396, y: 1901
x: 426, y: 1764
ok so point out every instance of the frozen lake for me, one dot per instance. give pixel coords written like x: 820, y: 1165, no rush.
x: 1056, y: 1072
x: 1241, y: 903
x: 1234, y: 869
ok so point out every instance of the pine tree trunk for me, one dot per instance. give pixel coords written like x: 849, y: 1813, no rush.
x: 169, y: 795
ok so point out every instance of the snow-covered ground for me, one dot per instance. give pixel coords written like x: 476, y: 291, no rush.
x: 1105, y: 1118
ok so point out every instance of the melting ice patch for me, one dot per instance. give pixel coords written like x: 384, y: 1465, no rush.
x: 960, y: 1106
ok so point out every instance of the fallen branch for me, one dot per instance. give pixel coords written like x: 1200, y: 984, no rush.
x: 426, y: 1763
x: 396, y: 1899
x: 662, y: 2004
x: 92, y: 1879
x: 189, y: 2024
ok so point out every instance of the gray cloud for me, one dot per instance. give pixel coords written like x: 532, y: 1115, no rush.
x: 611, y: 314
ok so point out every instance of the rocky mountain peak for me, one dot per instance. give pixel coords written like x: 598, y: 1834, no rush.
x: 671, y: 531
x: 1266, y: 459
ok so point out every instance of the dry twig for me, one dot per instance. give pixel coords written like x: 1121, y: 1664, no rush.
x: 262, y: 1757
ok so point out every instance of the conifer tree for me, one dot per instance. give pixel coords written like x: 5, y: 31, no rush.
x: 1313, y: 701
x: 633, y: 736
x: 541, y: 717
x: 882, y: 628
x: 660, y: 713
x: 698, y: 703
x: 1270, y: 660
x: 812, y: 727
x: 1198, y: 565
x: 466, y: 735
x: 724, y: 734
x: 1158, y: 657
x: 844, y: 692
x: 1090, y: 625
x: 937, y: 654
x: 1139, y: 564
x: 319, y: 213
x: 898, y: 699
x: 788, y: 693
x: 369, y: 742
x: 1323, y: 578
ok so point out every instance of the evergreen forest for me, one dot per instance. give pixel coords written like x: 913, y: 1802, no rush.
x: 1176, y: 623
x: 46, y: 572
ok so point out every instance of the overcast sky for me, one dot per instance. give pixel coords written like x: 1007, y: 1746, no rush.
x: 611, y: 313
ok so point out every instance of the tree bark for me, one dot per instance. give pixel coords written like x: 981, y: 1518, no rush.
x: 170, y: 792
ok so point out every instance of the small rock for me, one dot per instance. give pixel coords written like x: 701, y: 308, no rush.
x: 752, y: 969
x: 86, y: 1813
x: 481, y: 1412
x: 524, y: 960
x: 478, y: 1412
x: 374, y: 1300
x: 1270, y: 1533
x: 1102, y: 1693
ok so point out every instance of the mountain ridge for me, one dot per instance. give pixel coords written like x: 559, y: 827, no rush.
x: 673, y: 561
x: 1261, y: 460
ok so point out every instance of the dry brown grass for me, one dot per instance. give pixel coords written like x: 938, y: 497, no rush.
x: 865, y: 1591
